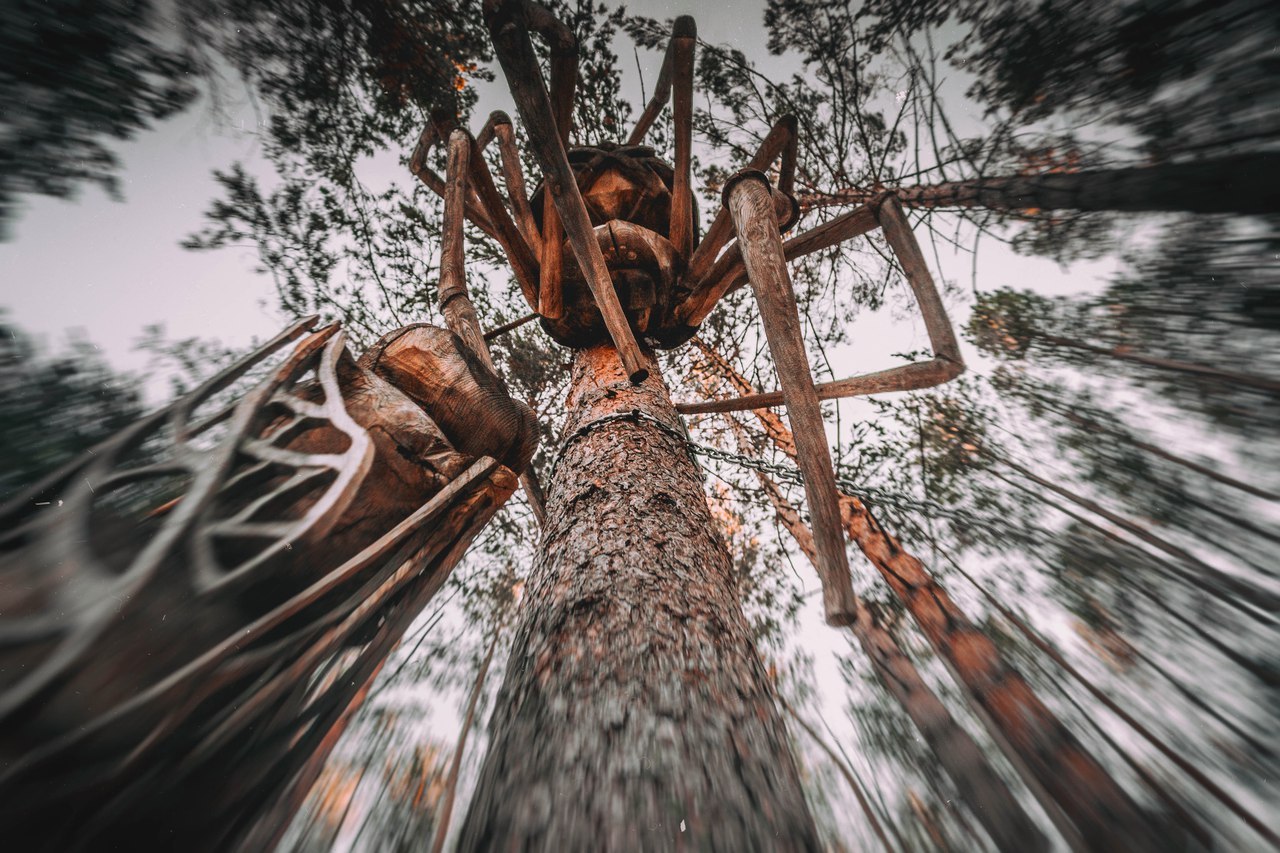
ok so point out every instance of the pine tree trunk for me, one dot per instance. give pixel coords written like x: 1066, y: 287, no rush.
x: 1089, y: 808
x: 980, y: 786
x: 635, y: 713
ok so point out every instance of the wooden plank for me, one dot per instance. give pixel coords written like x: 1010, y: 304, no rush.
x: 750, y: 204
x: 551, y: 284
x: 507, y: 27
x: 684, y: 41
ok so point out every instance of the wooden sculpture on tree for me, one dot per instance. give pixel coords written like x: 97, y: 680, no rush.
x: 301, y: 542
x: 192, y: 611
x: 630, y: 569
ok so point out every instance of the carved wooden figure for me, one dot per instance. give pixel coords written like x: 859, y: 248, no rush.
x: 191, y: 610
x: 606, y: 248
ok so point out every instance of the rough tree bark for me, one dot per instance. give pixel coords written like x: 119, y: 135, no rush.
x: 635, y: 713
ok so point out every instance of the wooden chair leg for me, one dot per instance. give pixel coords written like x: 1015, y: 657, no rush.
x: 509, y: 31
x: 750, y: 204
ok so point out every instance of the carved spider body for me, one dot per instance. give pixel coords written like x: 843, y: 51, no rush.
x: 626, y: 190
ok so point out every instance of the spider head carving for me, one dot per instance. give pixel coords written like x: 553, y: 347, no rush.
x: 627, y: 192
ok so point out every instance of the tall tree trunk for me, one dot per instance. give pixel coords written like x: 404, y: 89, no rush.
x: 1248, y: 183
x: 635, y: 713
x: 980, y: 786
x: 1089, y: 807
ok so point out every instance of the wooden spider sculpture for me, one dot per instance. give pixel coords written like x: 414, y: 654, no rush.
x: 608, y: 245
x: 190, y: 612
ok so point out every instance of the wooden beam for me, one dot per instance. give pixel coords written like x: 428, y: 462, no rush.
x: 908, y: 377
x: 564, y: 80
x: 418, y: 166
x: 750, y: 203
x: 684, y: 41
x: 780, y: 135
x: 898, y: 232
x: 661, y: 93
x: 507, y: 26
x: 519, y: 254
x: 946, y: 364
x: 508, y: 327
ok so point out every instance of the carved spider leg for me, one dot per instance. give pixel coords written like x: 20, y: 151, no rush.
x: 519, y: 253
x: 514, y: 176
x: 507, y: 25
x: 564, y: 81
x: 703, y: 274
x: 418, y: 166
x: 684, y: 41
x: 455, y: 302
x: 751, y: 206
x: 885, y: 212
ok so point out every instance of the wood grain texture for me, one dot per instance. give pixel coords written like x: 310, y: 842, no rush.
x: 508, y: 28
x: 684, y: 41
x: 750, y: 205
x: 236, y: 626
x: 455, y: 300
x: 634, y: 698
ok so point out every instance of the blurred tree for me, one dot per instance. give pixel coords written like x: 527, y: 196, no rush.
x: 55, y: 407
x: 74, y: 77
